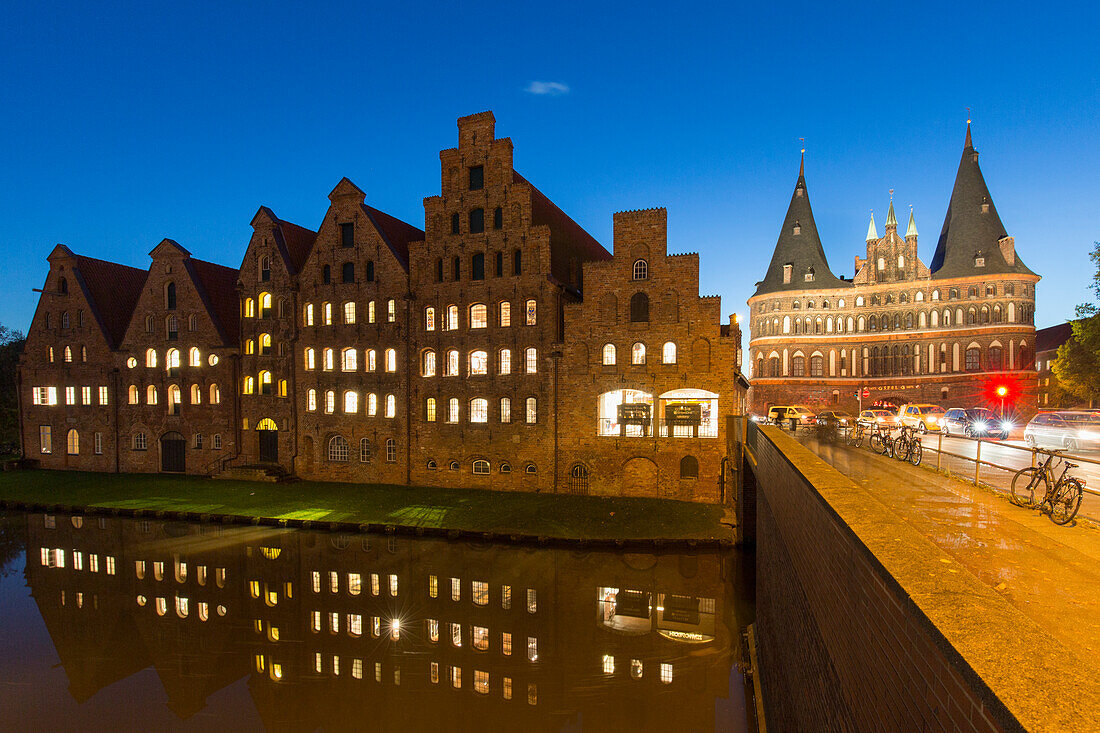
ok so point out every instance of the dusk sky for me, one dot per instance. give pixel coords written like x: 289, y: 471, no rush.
x: 123, y: 124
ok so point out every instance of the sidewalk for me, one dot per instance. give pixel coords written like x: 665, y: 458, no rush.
x: 1051, y: 574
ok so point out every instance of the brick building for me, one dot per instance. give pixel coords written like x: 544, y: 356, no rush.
x: 902, y: 330
x: 371, y: 351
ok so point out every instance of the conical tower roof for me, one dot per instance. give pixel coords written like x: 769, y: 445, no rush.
x: 911, y: 230
x: 872, y: 230
x: 891, y: 218
x: 967, y: 229
x: 802, y: 250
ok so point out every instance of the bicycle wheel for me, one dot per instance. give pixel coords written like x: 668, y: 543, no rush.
x: 875, y: 443
x: 901, y: 448
x: 1024, y: 484
x: 915, y: 452
x: 1066, y: 502
x: 858, y: 441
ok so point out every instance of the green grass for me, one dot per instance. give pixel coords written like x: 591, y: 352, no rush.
x: 557, y: 516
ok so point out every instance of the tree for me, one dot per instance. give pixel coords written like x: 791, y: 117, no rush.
x: 1077, y: 365
x: 11, y: 346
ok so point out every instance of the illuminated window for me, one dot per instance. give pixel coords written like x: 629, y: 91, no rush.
x: 608, y: 664
x: 451, y: 369
x: 637, y: 353
x: 307, y: 316
x: 666, y: 673
x: 370, y: 312
x: 452, y: 410
x: 391, y: 406
x: 391, y: 310
x: 150, y: 358
x: 479, y: 316
x: 506, y: 688
x: 505, y: 409
x: 505, y: 314
x: 151, y: 394
x: 532, y: 649
x: 435, y: 673
x: 456, y: 677
x: 609, y: 354
x: 372, y: 404
x: 532, y: 600
x: 357, y: 668
x: 636, y: 668
x: 249, y: 386
x: 355, y: 624
x: 532, y: 693
x: 532, y: 410
x: 327, y: 360
x: 351, y: 401
x: 505, y: 361
x: 349, y: 312
x: 433, y: 586
x: 375, y: 584
x: 334, y: 622
x: 456, y: 589
x: 326, y: 309
x: 391, y: 360
x: 531, y: 360
x: 249, y: 308
x: 480, y: 467
x: 393, y: 585
x: 452, y: 318
x: 310, y: 359
x: 529, y: 310
x: 338, y: 448
x: 349, y: 361
x: 427, y: 364
x: 311, y: 400
x: 668, y: 353
x: 372, y: 360
x: 429, y: 409
x: 429, y: 319
x: 249, y: 346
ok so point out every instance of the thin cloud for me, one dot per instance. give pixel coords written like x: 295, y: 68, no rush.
x: 550, y: 88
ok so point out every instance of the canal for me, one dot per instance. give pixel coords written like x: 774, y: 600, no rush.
x: 130, y: 624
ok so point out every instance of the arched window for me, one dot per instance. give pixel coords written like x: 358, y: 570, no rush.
x: 307, y: 315
x: 478, y: 363
x: 479, y: 316
x: 429, y: 319
x: 265, y: 269
x: 347, y: 272
x: 429, y: 409
x: 531, y: 360
x: 337, y: 448
x: 310, y: 358
x: 311, y: 399
x: 391, y: 360
x: 639, y: 308
x: 249, y: 386
x: 1023, y: 357
x: 330, y: 401
x: 349, y: 312
x: 973, y: 359
x: 151, y: 395
x: 215, y: 394
x: 609, y: 354
x: 68, y: 354
x: 351, y: 401
x: 391, y: 450
x: 372, y: 360
x: 265, y: 344
x: 349, y: 360
x: 452, y: 318
x: 132, y: 394
x: 327, y: 362
x: 150, y: 358
x: 427, y: 363
x: 798, y: 366
x: 391, y: 310
x: 249, y: 308
x: 971, y: 317
x: 641, y: 270
x: 689, y: 467
x: 668, y: 353
x: 479, y: 410
x: 391, y: 406
x: 372, y: 404
x: 72, y: 442
x: 326, y: 313
x: 817, y: 366
x: 996, y: 358
x: 170, y: 296
x: 196, y: 394
x: 637, y: 353
x: 266, y: 303
x: 194, y: 358
x: 773, y: 367
x: 63, y: 286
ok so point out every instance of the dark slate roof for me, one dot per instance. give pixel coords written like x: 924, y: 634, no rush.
x: 293, y: 242
x: 801, y: 250
x: 396, y: 233
x: 217, y: 286
x: 1049, y: 339
x: 966, y: 230
x: 112, y: 291
x: 568, y: 240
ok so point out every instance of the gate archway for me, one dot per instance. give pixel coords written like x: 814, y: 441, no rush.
x: 173, y: 453
x: 268, y: 437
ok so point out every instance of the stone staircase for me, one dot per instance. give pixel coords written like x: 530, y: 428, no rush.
x: 255, y: 472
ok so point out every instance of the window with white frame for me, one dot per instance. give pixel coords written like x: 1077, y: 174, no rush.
x: 479, y: 411
x: 531, y: 360
x: 505, y: 311
x: 609, y: 354
x: 479, y: 316
x: 668, y: 353
x: 532, y: 410
x: 505, y: 361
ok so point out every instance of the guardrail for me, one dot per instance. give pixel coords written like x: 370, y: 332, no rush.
x: 976, y: 459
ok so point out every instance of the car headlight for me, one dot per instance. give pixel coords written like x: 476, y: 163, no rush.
x: 878, y: 419
x: 932, y: 420
x: 1090, y: 435
x: 981, y: 425
x: 1007, y: 426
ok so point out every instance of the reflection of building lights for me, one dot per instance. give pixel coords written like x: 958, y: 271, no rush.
x: 395, y: 629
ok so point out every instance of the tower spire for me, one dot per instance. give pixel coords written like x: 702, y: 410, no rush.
x: 911, y: 230
x: 872, y: 230
x: 802, y: 160
x: 968, y: 143
x: 891, y: 219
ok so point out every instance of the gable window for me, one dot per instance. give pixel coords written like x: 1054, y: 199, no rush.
x: 370, y: 271
x: 265, y: 269
x: 498, y: 218
x: 477, y: 178
x: 326, y: 274
x: 477, y: 221
x: 641, y: 270
x: 347, y: 234
x: 517, y: 262
x: 809, y: 276
x: 170, y: 296
x: 639, y: 308
x: 454, y: 223
x: 347, y: 272
x: 477, y: 267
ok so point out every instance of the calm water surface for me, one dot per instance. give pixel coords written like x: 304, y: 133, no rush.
x: 120, y: 624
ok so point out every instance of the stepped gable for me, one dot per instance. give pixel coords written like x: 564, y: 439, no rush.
x: 396, y: 233
x: 568, y: 239
x: 972, y: 226
x: 112, y: 291
x: 217, y: 286
x: 801, y: 250
x: 293, y: 242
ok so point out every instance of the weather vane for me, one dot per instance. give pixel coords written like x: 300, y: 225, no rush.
x: 803, y: 140
x: 891, y: 194
x: 968, y: 115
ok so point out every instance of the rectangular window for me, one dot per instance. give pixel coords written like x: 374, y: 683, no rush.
x: 499, y: 259
x: 517, y: 263
x: 70, y: 395
x: 393, y: 585
x: 480, y: 592
x: 532, y: 600
x: 532, y: 410
x: 477, y: 178
x: 315, y: 577
x: 377, y: 671
x: 355, y: 583
x: 375, y: 586
x: 666, y: 673
x: 477, y: 267
x: 433, y: 630
x: 456, y: 677
x: 505, y: 409
x: 433, y: 586
x: 110, y: 565
x: 530, y: 309
x: 97, y: 441
x: 375, y: 626
x: 435, y: 673
x: 505, y: 361
x: 479, y: 638
x: 532, y: 649
x: 506, y: 688
x: 85, y: 395
x: 456, y: 634
x: 317, y: 662
x: 506, y: 644
x: 456, y: 589
x: 347, y: 235
x: 333, y: 581
x: 608, y: 664
x: 315, y: 621
x: 357, y: 668
x: 45, y: 438
x: 355, y: 624
x: 103, y: 395
x: 506, y: 597
x: 481, y: 681
x: 78, y: 560
x: 531, y: 360
x: 391, y: 310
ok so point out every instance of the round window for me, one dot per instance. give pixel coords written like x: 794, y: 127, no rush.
x: 213, y: 359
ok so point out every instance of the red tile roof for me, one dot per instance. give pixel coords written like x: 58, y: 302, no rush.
x: 298, y: 242
x: 217, y: 286
x: 568, y: 239
x: 112, y: 291
x: 396, y: 233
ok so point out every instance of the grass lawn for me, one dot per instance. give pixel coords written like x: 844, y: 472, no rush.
x: 557, y: 516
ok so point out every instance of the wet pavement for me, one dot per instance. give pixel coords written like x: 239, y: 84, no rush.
x: 1049, y: 573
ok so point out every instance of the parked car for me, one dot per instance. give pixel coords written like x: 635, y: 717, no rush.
x: 783, y: 414
x: 976, y: 422
x: 842, y: 418
x: 882, y: 418
x: 1070, y: 429
x: 923, y: 417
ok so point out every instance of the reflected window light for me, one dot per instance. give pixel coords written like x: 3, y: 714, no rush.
x: 480, y: 638
x: 433, y: 586
x: 375, y: 587
x: 435, y: 673
x: 357, y: 668
x: 506, y: 688
x: 456, y: 634
x: 506, y: 644
x: 315, y: 579
x: 636, y: 668
x: 532, y: 649
x: 608, y: 664
x: 355, y: 583
x: 433, y: 630
x: 393, y: 585
x: 506, y: 597
x: 481, y: 682
x: 456, y: 589
x: 395, y: 629
x: 666, y: 673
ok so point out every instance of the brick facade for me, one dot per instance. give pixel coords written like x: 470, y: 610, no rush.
x: 464, y: 355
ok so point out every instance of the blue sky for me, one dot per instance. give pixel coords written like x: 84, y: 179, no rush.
x: 127, y: 123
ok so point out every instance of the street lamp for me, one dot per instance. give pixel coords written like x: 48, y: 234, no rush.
x: 1001, y: 392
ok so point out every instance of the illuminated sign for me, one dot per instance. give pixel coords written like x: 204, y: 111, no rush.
x: 634, y: 413
x: 683, y: 413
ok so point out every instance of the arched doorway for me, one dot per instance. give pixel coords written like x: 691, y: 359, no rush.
x: 173, y: 453
x: 578, y: 479
x: 268, y: 435
x: 639, y: 477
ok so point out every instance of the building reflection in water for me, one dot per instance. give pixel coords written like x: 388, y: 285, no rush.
x: 344, y: 632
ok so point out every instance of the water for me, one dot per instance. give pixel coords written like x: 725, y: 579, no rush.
x: 120, y: 624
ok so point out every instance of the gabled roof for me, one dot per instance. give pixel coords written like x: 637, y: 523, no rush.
x: 217, y: 286
x: 1049, y: 339
x: 293, y: 242
x: 968, y: 230
x: 568, y: 240
x: 802, y: 251
x: 112, y: 291
x: 396, y: 233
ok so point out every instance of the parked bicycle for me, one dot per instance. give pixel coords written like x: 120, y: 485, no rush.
x: 1035, y: 487
x: 907, y: 446
x: 854, y: 436
x: 881, y: 441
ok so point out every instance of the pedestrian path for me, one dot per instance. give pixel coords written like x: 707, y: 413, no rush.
x: 1049, y: 573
